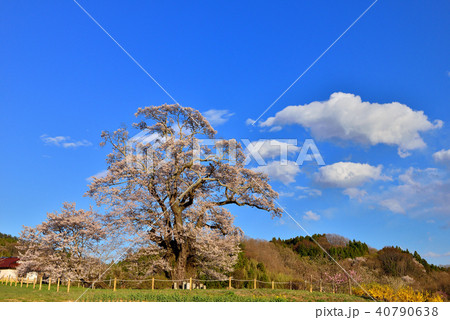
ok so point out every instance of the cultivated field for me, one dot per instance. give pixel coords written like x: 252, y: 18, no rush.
x: 12, y: 293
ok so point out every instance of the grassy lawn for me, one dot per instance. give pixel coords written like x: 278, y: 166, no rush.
x: 13, y: 293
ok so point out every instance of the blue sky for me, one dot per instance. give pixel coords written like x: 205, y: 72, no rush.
x: 61, y: 76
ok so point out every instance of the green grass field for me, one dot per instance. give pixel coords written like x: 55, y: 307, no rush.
x: 12, y: 293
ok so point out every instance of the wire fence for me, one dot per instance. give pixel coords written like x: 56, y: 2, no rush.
x: 311, y: 284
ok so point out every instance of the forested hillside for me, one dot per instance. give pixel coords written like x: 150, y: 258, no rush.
x: 300, y: 258
x: 336, y: 246
x: 8, y: 245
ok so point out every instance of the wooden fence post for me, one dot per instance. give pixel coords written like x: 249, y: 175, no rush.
x: 115, y: 283
x: 254, y: 284
x: 334, y: 287
x: 290, y: 285
x: 21, y: 282
x: 273, y: 285
x: 57, y: 286
x: 78, y: 283
x: 10, y: 282
x: 320, y: 285
x: 27, y: 281
x: 229, y: 283
x: 349, y: 286
x: 310, y: 285
x: 49, y: 283
x: 40, y: 283
x: 68, y: 285
x: 153, y: 283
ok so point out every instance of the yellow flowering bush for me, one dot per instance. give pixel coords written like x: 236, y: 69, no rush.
x: 405, y: 294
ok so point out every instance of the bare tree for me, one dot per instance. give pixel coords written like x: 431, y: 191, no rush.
x: 66, y: 245
x: 173, y: 196
x: 337, y: 240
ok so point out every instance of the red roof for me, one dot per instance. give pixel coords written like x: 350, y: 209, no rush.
x: 9, y: 263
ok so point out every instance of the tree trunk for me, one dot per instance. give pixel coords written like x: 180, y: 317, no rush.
x: 179, y: 269
x: 180, y: 249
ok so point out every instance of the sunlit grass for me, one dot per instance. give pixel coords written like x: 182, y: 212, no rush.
x: 12, y: 293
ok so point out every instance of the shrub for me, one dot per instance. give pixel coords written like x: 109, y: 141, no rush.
x: 405, y: 294
x: 395, y: 262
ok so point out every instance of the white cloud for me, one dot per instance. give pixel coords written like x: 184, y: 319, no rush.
x: 355, y: 193
x: 217, y: 117
x: 346, y: 117
x: 284, y: 172
x: 403, y: 153
x: 393, y: 205
x: 275, y: 129
x: 273, y: 148
x: 431, y: 254
x: 442, y: 156
x: 54, y: 140
x: 309, y: 215
x: 65, y: 142
x: 75, y: 144
x: 348, y: 174
x: 418, y: 193
x: 249, y: 122
x: 423, y: 193
x: 307, y: 191
x: 286, y: 194
x: 98, y: 175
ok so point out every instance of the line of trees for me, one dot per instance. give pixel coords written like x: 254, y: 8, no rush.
x: 398, y: 262
x: 306, y: 246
